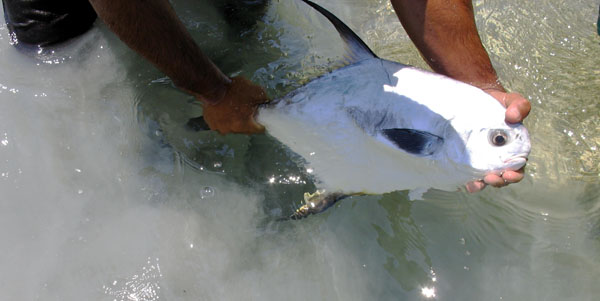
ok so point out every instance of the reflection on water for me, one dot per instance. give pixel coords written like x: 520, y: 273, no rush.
x: 100, y: 179
x: 143, y: 286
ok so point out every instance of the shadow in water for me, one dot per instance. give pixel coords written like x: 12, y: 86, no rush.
x: 408, y: 262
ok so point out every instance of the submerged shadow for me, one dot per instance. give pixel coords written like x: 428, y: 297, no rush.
x: 408, y: 262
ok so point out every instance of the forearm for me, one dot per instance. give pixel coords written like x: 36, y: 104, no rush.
x: 444, y: 31
x: 151, y: 28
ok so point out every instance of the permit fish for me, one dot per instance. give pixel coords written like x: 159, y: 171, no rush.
x: 376, y: 126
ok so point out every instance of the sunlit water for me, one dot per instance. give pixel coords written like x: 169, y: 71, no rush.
x: 105, y: 195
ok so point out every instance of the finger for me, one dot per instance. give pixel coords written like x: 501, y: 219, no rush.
x: 494, y: 180
x: 517, y: 108
x: 513, y: 176
x: 475, y: 186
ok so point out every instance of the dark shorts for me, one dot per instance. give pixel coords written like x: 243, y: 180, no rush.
x: 45, y: 22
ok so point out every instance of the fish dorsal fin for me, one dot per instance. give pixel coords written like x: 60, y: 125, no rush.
x: 357, y: 49
x: 414, y: 141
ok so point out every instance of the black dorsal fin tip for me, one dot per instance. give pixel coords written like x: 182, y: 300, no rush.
x: 357, y: 49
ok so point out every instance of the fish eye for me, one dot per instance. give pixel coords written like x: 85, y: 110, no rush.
x: 498, y: 137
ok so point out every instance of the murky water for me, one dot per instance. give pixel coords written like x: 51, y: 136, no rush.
x: 106, y: 195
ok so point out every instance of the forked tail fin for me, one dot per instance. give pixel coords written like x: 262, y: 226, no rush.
x: 357, y: 49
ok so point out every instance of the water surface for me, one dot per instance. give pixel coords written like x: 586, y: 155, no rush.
x: 105, y: 195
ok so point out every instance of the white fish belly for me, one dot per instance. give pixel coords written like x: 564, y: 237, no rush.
x: 347, y: 160
x: 314, y: 123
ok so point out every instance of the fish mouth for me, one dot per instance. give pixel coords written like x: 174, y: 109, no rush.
x: 516, y: 162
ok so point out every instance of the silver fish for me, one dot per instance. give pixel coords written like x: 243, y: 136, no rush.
x: 376, y: 126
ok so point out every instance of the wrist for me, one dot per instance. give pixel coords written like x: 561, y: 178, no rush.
x: 213, y: 92
x: 217, y: 91
x: 489, y: 87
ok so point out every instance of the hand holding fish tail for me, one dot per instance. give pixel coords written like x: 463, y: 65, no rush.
x: 235, y: 111
x: 155, y: 32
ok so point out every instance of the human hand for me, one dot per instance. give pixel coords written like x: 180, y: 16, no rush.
x: 234, y: 113
x: 517, y: 108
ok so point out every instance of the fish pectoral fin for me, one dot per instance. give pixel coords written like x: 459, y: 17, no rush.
x: 414, y: 141
x: 316, y: 202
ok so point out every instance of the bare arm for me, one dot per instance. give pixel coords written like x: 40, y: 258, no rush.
x: 445, y: 33
x: 151, y: 28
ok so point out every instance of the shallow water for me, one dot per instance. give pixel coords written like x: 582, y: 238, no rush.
x: 105, y: 195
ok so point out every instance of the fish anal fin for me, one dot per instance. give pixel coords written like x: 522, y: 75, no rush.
x: 317, y: 202
x: 414, y: 141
